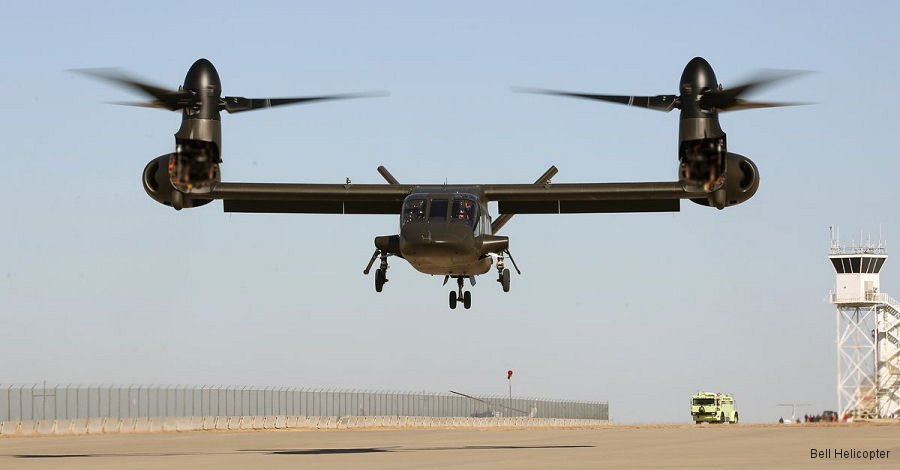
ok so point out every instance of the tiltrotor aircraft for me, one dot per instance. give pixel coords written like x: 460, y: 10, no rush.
x: 445, y: 229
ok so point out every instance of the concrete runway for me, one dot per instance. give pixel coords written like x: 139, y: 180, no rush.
x: 715, y: 446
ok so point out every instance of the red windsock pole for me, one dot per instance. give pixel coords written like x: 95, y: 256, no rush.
x: 509, y: 379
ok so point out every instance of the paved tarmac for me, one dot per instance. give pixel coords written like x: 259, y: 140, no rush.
x: 711, y: 446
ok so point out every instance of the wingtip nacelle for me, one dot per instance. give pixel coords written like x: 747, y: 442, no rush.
x: 160, y: 181
x: 741, y: 183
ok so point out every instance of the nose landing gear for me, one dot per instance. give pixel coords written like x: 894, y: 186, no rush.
x: 465, y: 297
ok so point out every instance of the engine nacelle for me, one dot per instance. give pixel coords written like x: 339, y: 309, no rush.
x: 741, y: 183
x: 702, y: 163
x: 163, y: 174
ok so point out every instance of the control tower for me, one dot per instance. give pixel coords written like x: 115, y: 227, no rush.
x: 868, y: 333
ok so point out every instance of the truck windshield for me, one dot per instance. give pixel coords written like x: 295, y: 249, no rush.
x: 704, y: 401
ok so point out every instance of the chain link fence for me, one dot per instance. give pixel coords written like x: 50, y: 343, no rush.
x: 56, y: 402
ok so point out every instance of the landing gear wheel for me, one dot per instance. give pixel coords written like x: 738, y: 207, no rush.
x: 504, y: 280
x: 452, y: 300
x: 379, y: 280
x: 467, y: 299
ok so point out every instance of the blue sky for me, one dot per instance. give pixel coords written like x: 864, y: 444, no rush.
x: 99, y: 283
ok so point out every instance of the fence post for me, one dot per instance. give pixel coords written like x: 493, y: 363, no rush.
x: 32, y: 402
x: 276, y: 400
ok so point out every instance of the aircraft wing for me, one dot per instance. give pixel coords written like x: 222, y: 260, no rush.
x: 579, y: 198
x: 310, y: 198
x: 564, y: 198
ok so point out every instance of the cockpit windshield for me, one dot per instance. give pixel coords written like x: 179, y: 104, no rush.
x: 464, y: 210
x: 438, y: 209
x: 413, y: 210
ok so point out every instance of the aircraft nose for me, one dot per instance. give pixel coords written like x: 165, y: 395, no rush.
x: 437, y: 238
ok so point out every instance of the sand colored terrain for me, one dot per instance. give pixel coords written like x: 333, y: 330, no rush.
x: 647, y: 446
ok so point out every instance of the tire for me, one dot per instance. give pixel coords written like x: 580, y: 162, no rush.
x: 735, y: 418
x: 467, y: 299
x: 723, y: 419
x: 697, y: 422
x: 452, y: 300
x: 505, y: 280
x: 379, y: 280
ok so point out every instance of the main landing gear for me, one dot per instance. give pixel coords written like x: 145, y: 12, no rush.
x: 381, y: 272
x: 503, y: 273
x: 465, y: 297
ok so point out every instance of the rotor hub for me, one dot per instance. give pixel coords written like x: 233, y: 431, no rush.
x: 202, y: 77
x: 698, y: 76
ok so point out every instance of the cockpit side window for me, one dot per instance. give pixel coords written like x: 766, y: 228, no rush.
x: 413, y: 210
x: 464, y: 210
x: 438, y: 210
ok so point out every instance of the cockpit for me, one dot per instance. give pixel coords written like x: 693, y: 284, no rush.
x: 456, y: 208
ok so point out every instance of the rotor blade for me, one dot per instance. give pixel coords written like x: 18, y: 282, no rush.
x: 725, y: 99
x: 237, y: 104
x: 387, y: 175
x: 168, y: 99
x: 663, y: 103
x: 740, y: 105
x: 139, y: 104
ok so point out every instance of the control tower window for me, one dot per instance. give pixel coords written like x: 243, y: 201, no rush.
x: 464, y: 210
x: 854, y: 265
x: 878, y: 264
x: 838, y: 266
x: 865, y: 265
x: 413, y: 210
